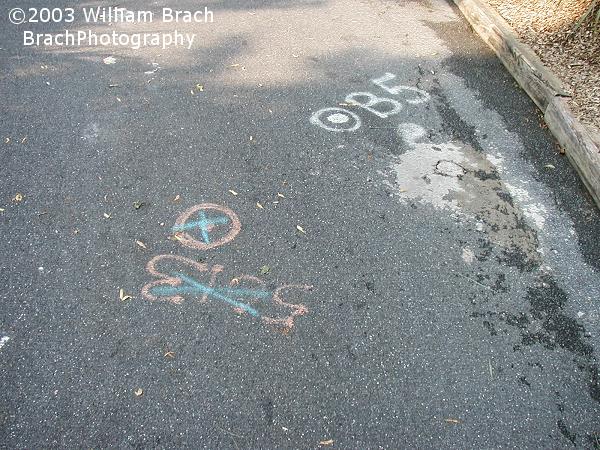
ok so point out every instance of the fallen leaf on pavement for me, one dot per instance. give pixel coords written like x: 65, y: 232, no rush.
x: 18, y: 197
x: 169, y: 354
x: 200, y: 88
x: 109, y: 60
x: 138, y: 392
x: 1, y: 209
x: 265, y: 270
x: 455, y: 421
x: 258, y: 205
x: 7, y: 140
x: 300, y: 229
x: 141, y: 244
x: 123, y: 296
x: 232, y: 192
x: 177, y: 198
x: 549, y: 166
x: 138, y: 205
x: 279, y: 194
x: 327, y: 442
x: 107, y: 216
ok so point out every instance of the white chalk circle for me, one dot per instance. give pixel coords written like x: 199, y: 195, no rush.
x: 336, y: 119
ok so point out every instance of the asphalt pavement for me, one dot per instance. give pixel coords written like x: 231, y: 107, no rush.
x: 313, y: 224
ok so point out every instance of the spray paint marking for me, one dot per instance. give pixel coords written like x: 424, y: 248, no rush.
x: 341, y: 119
x: 175, y: 286
x: 337, y: 119
x: 206, y: 225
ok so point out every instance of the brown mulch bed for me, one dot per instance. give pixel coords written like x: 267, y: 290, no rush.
x: 574, y: 56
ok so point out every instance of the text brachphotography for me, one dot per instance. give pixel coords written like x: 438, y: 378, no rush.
x: 79, y: 38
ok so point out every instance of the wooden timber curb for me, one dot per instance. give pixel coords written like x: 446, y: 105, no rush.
x: 581, y: 144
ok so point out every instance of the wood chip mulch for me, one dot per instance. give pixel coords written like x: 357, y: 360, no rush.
x: 574, y: 56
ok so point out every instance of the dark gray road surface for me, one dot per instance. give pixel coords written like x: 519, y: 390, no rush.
x: 451, y: 250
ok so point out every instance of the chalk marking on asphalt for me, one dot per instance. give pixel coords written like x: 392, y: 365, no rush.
x: 396, y: 90
x: 213, y: 292
x: 205, y: 225
x: 339, y: 119
x: 374, y: 100
x: 176, y: 286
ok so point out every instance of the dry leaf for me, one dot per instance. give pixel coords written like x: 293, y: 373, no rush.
x: 279, y: 194
x: 234, y: 65
x: 232, y: 192
x: 18, y: 197
x: 177, y: 198
x: 24, y: 140
x: 1, y: 209
x: 258, y: 205
x: 251, y: 138
x: 123, y: 296
x: 6, y: 140
x: 141, y: 244
x: 327, y: 442
x: 200, y: 88
x: 169, y: 354
x: 300, y: 229
x: 138, y: 392
x: 455, y: 421
x: 107, y: 216
x: 264, y: 270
